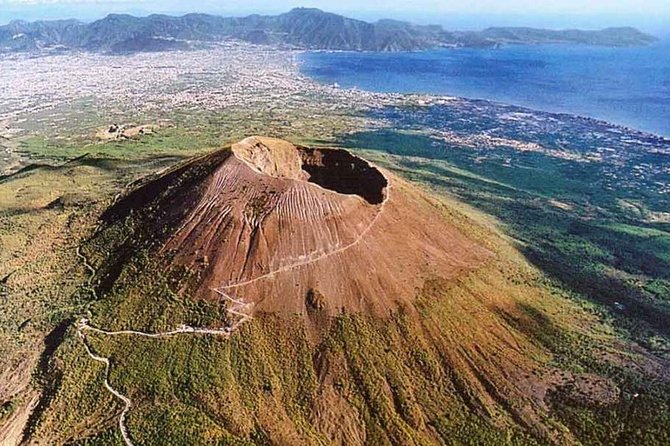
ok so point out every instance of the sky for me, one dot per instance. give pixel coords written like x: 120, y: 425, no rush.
x: 652, y: 15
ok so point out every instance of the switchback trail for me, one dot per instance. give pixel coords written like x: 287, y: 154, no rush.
x: 325, y: 255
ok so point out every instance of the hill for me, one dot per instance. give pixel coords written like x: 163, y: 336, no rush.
x: 251, y: 296
x: 305, y: 28
x: 615, y: 37
x: 277, y: 225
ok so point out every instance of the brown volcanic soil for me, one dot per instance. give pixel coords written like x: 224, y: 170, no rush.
x: 277, y: 225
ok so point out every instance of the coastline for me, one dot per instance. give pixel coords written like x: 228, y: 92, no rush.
x: 331, y: 73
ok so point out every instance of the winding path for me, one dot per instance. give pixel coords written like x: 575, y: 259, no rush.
x: 239, y: 309
x: 127, y: 404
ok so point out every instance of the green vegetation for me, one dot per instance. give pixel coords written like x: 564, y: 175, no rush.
x: 571, y: 227
x: 613, y: 263
x: 6, y: 409
x: 166, y: 142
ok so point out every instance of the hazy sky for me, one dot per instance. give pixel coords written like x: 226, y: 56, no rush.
x: 453, y: 13
x: 471, y: 6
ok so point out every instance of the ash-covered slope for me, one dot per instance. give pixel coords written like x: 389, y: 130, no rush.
x: 289, y: 228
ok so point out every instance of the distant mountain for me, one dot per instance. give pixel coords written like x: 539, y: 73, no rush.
x: 616, y: 37
x: 302, y: 28
x: 24, y: 36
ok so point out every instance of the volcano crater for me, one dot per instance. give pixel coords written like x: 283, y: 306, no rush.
x: 333, y: 169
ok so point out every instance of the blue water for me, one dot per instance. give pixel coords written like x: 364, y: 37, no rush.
x: 628, y: 86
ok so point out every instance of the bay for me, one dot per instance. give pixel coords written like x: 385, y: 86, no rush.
x: 626, y: 86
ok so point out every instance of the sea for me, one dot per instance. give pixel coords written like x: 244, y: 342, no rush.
x: 626, y: 86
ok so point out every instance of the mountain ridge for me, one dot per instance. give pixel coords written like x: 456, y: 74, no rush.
x: 304, y: 28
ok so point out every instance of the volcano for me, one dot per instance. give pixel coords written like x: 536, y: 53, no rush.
x: 270, y: 293
x: 292, y: 229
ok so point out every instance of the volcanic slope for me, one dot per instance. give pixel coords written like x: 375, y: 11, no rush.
x: 321, y: 300
x: 270, y: 232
